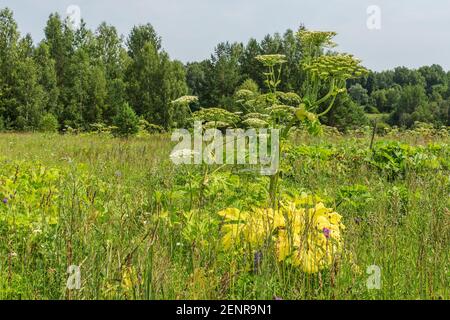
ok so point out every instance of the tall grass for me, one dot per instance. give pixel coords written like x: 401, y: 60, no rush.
x: 125, y: 219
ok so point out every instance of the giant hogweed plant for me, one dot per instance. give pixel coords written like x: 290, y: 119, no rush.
x: 306, y: 235
x: 288, y: 222
x: 324, y: 73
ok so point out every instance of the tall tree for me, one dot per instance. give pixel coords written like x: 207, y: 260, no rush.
x: 22, y: 96
x: 226, y: 73
x: 110, y: 53
x: 250, y: 67
x: 140, y: 36
x: 412, y: 99
x: 60, y: 40
x: 435, y: 78
x: 153, y: 79
x: 9, y: 37
x: 48, y: 79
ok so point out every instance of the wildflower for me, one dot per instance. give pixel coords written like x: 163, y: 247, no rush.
x: 312, y: 38
x: 5, y: 200
x: 185, y: 100
x: 326, y: 233
x: 255, y: 123
x: 271, y: 60
x: 183, y: 156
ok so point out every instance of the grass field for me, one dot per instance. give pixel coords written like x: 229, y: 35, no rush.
x: 139, y: 227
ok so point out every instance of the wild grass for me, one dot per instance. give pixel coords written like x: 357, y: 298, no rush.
x: 140, y: 227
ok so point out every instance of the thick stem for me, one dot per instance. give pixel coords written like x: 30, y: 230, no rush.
x: 328, y: 109
x: 273, y: 190
x: 329, y: 94
x: 274, y: 181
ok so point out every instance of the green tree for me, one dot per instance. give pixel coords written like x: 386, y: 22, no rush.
x: 359, y: 95
x: 139, y: 37
x: 126, y: 122
x: 110, y: 54
x: 434, y: 77
x: 250, y: 67
x: 412, y: 99
x: 198, y: 81
x: 48, y: 79
x: 9, y: 37
x: 346, y: 114
x: 378, y: 100
x: 22, y: 96
x: 86, y: 92
x: 60, y: 40
x: 29, y: 95
x: 226, y: 73
x: 154, y: 81
x: 144, y: 78
x: 406, y: 77
x: 174, y: 86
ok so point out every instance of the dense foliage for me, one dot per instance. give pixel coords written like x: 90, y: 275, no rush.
x: 83, y: 78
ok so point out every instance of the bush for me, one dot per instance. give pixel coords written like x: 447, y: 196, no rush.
x: 383, y: 128
x: 48, y: 123
x: 21, y: 123
x: 126, y: 122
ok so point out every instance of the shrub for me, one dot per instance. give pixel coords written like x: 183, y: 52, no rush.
x: 383, y: 128
x: 48, y: 123
x: 20, y: 123
x: 126, y: 122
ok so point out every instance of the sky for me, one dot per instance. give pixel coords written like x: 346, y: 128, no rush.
x: 409, y: 33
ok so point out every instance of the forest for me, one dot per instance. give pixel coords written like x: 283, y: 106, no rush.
x: 86, y: 80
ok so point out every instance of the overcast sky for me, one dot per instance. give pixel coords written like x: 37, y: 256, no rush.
x: 413, y: 32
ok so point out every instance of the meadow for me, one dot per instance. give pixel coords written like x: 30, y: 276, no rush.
x: 139, y: 227
x: 93, y: 205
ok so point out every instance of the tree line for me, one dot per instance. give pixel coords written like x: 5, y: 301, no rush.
x: 404, y: 96
x: 80, y: 78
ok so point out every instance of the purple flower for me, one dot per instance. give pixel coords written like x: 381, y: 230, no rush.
x: 5, y: 200
x: 327, y: 233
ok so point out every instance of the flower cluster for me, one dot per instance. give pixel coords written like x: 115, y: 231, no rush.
x: 185, y: 100
x: 341, y: 66
x: 305, y: 233
x: 271, y: 60
x: 216, y: 116
x: 311, y: 39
